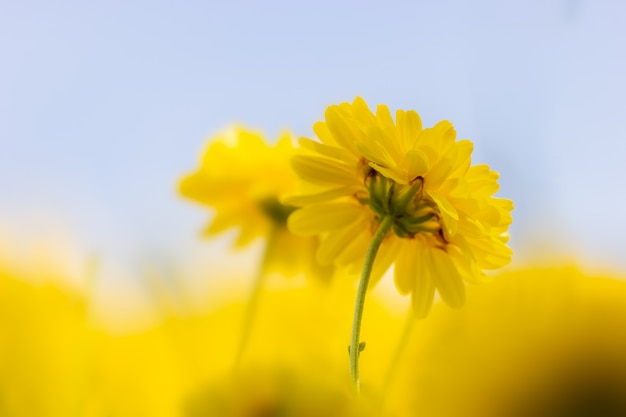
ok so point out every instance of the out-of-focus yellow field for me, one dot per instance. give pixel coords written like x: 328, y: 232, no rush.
x: 534, y: 342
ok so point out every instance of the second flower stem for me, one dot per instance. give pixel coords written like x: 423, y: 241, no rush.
x: 253, y: 301
x: 355, y: 344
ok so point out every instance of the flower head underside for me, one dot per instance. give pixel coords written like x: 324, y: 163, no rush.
x: 447, y: 225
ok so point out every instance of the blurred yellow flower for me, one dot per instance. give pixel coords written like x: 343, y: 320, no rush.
x: 276, y: 392
x: 371, y: 173
x: 295, y: 361
x: 243, y: 179
x: 45, y: 354
x: 537, y: 342
x: 138, y: 375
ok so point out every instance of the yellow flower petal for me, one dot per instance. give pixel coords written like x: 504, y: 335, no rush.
x: 323, y: 171
x: 337, y: 242
x: 327, y: 150
x: 373, y: 150
x: 321, y: 218
x: 322, y: 132
x: 482, y: 180
x: 438, y: 173
x: 462, y: 158
x: 450, y: 215
x: 355, y: 251
x: 447, y: 278
x: 323, y: 197
x: 387, y: 254
x: 395, y: 175
x: 405, y: 269
x: 410, y: 127
x: 389, y: 133
x: 416, y: 163
x: 345, y: 133
x: 362, y: 112
x: 222, y: 221
x: 423, y: 286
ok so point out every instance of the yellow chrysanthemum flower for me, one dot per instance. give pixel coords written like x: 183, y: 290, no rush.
x: 544, y: 342
x: 371, y: 173
x: 243, y: 178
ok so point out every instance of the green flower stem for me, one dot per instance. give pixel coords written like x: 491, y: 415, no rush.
x: 253, y: 301
x: 355, y: 344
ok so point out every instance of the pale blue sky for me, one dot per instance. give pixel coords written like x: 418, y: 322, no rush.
x: 103, y: 105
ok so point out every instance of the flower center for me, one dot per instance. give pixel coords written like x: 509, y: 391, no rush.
x: 413, y: 212
x: 276, y: 211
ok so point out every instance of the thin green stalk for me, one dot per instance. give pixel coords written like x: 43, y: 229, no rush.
x: 253, y: 301
x: 355, y: 344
